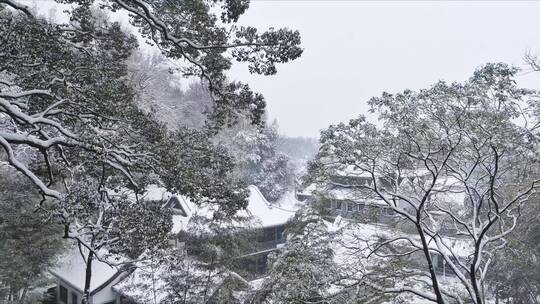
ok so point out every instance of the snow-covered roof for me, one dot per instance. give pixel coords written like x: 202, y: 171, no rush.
x: 268, y: 214
x: 448, y: 191
x: 352, y: 171
x: 353, y: 231
x: 259, y: 212
x: 156, y: 193
x: 73, y: 269
x: 308, y: 191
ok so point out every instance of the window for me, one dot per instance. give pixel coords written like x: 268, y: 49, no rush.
x: 280, y: 231
x: 351, y: 206
x: 63, y: 294
x: 74, y: 299
x: 267, y: 235
x: 249, y: 264
x: 256, y: 264
x: 262, y: 262
x: 176, y: 206
x: 328, y: 204
x: 338, y: 204
x: 438, y: 262
x: 388, y: 211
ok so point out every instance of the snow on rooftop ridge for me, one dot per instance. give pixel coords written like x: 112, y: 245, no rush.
x: 151, y: 193
x: 259, y: 212
x: 289, y: 202
x: 72, y: 269
x: 156, y: 193
x: 265, y: 213
x: 371, y: 231
x: 350, y: 170
x: 268, y: 214
x: 186, y: 202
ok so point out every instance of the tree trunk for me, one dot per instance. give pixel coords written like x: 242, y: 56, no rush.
x: 474, y: 282
x: 209, y: 277
x: 154, y: 280
x: 434, y: 280
x: 88, y: 278
x: 22, y: 296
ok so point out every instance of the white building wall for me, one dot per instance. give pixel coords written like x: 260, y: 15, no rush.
x: 70, y: 290
x: 107, y: 294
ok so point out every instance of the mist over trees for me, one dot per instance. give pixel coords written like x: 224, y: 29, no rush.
x: 160, y: 91
x: 300, y: 148
x: 255, y: 148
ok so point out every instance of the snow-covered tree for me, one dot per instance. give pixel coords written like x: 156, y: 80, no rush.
x: 70, y: 124
x: 200, y: 270
x: 258, y: 161
x: 456, y: 162
x: 111, y: 227
x: 304, y: 269
x: 68, y: 80
x: 516, y: 270
x: 172, y: 276
x: 159, y: 90
x: 30, y: 240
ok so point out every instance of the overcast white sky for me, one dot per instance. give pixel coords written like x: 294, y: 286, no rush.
x: 357, y: 49
x: 354, y: 50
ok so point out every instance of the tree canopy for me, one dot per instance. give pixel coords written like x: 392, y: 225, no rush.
x: 71, y: 120
x: 71, y: 76
x: 456, y: 159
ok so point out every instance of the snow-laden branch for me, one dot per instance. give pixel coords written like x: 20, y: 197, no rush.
x: 18, y: 6
x: 27, y: 172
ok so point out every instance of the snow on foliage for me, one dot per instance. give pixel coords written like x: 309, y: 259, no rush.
x: 454, y: 161
x: 171, y: 276
x: 258, y: 161
x: 304, y: 269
